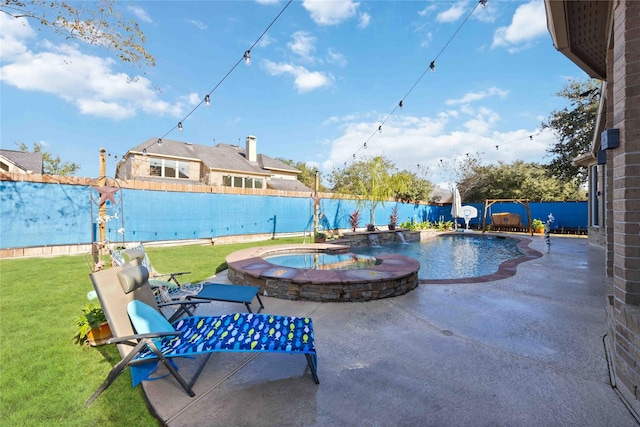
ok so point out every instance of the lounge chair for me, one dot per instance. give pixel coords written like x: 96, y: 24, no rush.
x: 118, y: 257
x: 144, y: 337
x: 170, y: 290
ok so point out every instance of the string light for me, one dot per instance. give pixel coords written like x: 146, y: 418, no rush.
x: 246, y: 57
x: 432, y: 67
x: 520, y: 139
x: 159, y: 142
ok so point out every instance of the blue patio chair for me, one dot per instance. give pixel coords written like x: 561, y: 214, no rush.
x: 145, y: 338
x: 167, y: 289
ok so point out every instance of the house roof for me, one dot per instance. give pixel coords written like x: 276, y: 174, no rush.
x: 286, y: 185
x: 225, y: 158
x: 580, y: 30
x: 24, y: 160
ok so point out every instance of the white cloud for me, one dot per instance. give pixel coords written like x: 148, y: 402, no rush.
x: 303, y: 45
x: 528, y: 23
x: 140, y: 13
x: 336, y: 58
x: 427, y: 10
x: 265, y: 40
x: 365, y: 19
x: 330, y: 12
x: 198, y: 24
x: 15, y: 31
x: 452, y: 14
x: 477, y: 96
x: 88, y: 82
x: 411, y: 140
x: 304, y: 80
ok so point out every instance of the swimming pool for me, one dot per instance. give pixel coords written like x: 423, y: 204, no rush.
x: 453, y: 256
x: 323, y: 260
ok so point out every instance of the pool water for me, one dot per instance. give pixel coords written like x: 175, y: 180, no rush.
x: 323, y: 261
x: 452, y: 256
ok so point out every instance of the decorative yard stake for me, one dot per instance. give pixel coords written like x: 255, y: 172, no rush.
x: 547, y: 232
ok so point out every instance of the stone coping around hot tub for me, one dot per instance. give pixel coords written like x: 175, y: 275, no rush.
x: 393, y: 276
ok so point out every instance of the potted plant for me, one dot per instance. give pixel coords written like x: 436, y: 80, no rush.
x: 320, y: 237
x: 393, y: 218
x: 537, y: 225
x: 371, y: 227
x: 92, y: 326
x: 354, y: 220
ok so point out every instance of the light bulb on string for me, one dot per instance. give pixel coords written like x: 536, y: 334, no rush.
x: 159, y: 142
x: 432, y: 66
x: 207, y: 100
x: 365, y: 145
x: 380, y: 129
x: 144, y: 151
x: 247, y: 57
x: 180, y: 129
x: 400, y: 104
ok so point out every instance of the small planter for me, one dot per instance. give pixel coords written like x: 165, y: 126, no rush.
x: 392, y: 226
x: 98, y: 336
x: 320, y: 238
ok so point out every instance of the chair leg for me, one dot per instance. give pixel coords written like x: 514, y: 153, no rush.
x: 260, y: 301
x: 312, y: 367
x: 113, y: 374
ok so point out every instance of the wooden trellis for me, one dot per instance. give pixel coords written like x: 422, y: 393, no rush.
x: 523, y: 202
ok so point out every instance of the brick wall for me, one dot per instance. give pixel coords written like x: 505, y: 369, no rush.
x: 625, y: 206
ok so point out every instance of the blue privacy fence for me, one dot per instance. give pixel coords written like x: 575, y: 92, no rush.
x: 45, y: 214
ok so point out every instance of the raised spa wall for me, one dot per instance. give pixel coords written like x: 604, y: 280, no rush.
x: 381, y: 237
x: 393, y: 276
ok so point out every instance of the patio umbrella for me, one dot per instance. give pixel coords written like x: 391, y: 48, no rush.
x: 456, y: 206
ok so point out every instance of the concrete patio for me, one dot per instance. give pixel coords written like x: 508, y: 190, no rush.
x: 523, y: 351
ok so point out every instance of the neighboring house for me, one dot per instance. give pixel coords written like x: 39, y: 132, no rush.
x: 603, y: 39
x: 223, y: 165
x: 13, y: 161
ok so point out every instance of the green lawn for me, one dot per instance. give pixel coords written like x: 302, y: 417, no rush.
x: 45, y: 379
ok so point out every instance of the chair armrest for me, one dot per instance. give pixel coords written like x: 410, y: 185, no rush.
x: 128, y: 339
x: 184, y: 302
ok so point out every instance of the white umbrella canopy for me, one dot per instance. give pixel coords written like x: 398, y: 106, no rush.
x: 456, y: 206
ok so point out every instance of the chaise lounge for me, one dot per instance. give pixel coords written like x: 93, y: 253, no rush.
x: 145, y: 338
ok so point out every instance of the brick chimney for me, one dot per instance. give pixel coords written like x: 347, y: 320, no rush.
x: 250, y: 151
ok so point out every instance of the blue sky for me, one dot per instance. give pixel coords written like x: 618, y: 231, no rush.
x: 321, y: 81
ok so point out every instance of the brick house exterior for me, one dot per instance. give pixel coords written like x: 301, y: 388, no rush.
x: 603, y: 39
x: 222, y: 165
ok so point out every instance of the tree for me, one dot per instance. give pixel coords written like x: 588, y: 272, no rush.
x: 518, y: 180
x: 96, y: 23
x: 307, y: 175
x: 461, y: 172
x: 51, y: 165
x: 411, y: 188
x: 374, y: 181
x: 573, y: 126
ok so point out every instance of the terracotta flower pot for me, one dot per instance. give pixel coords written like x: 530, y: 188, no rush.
x: 98, y: 336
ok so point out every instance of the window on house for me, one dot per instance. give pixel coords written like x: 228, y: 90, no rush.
x: 226, y: 180
x: 237, y: 181
x: 248, y: 182
x: 155, y: 167
x: 257, y: 183
x: 168, y: 168
x: 4, y: 166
